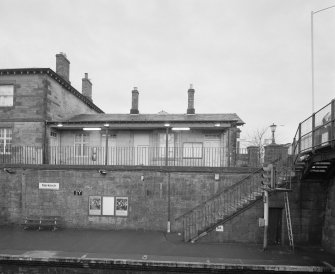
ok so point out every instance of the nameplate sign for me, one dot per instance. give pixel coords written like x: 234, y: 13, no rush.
x: 53, y: 186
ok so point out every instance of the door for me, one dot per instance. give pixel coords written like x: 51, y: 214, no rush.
x: 275, y: 226
x: 55, y: 150
x: 212, y: 150
x: 141, y: 149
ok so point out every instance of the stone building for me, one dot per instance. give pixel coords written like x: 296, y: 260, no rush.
x: 44, y: 119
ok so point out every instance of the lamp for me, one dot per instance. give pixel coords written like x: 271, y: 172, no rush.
x: 91, y: 128
x: 273, y: 129
x: 59, y: 124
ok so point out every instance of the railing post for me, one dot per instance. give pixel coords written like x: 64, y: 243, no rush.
x: 299, y: 140
x: 313, y: 132
x: 332, y: 128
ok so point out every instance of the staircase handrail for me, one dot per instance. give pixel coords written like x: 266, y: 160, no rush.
x: 224, y: 191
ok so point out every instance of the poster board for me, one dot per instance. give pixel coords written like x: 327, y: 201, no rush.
x: 94, y: 205
x: 107, y: 206
x: 121, y: 206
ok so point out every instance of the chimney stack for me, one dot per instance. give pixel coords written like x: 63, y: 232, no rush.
x: 190, y: 109
x: 134, y: 101
x: 87, y: 87
x: 63, y: 66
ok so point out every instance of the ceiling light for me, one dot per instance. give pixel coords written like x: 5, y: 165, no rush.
x: 91, y: 128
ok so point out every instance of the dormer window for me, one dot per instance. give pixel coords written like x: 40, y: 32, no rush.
x: 6, y: 95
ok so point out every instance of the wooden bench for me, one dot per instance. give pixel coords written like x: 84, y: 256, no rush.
x: 40, y: 222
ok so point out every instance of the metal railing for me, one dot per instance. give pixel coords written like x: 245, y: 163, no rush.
x: 22, y: 155
x: 233, y: 200
x: 128, y: 156
x: 207, y: 215
x: 315, y: 132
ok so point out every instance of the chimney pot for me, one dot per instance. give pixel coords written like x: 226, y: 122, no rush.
x: 134, y: 101
x: 63, y: 66
x: 190, y: 109
x: 87, y: 87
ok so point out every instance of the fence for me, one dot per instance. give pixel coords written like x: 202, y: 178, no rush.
x: 136, y: 156
x: 315, y: 132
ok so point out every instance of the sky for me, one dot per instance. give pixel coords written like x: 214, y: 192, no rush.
x: 249, y: 57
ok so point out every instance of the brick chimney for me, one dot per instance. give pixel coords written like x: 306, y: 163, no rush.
x: 134, y: 101
x: 190, y: 109
x: 87, y: 87
x: 63, y: 66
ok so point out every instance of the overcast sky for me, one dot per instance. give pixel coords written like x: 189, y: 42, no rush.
x: 250, y: 57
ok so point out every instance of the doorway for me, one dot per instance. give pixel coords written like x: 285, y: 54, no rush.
x: 275, y: 226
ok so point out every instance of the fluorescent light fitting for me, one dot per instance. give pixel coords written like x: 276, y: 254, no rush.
x: 91, y: 128
x: 59, y: 125
x: 106, y: 125
x: 180, y: 128
x: 166, y: 124
x: 217, y: 124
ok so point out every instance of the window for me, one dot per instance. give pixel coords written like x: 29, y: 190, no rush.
x: 192, y: 150
x: 6, y: 95
x: 162, y: 144
x: 5, y: 140
x: 81, y: 144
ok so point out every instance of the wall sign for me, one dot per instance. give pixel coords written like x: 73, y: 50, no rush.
x: 53, y: 186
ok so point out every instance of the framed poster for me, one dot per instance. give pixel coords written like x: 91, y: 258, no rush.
x: 94, y: 205
x: 121, y: 206
x: 108, y: 206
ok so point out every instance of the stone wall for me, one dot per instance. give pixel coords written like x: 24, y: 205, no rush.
x: 328, y: 239
x: 147, y: 195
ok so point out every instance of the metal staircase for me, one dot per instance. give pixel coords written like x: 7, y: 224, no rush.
x: 225, y: 205
x: 222, y: 207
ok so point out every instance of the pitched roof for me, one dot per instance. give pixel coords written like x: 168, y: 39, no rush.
x: 56, y: 77
x: 162, y: 117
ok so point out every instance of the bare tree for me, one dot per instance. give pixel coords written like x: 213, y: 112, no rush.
x: 257, y: 138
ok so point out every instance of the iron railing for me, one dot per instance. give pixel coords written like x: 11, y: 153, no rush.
x: 315, y: 132
x: 230, y: 202
x: 129, y: 156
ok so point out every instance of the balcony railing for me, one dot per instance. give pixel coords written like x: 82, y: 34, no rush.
x: 128, y: 156
x: 315, y: 132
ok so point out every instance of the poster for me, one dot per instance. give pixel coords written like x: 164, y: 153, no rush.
x: 94, y: 205
x: 107, y: 206
x: 121, y: 207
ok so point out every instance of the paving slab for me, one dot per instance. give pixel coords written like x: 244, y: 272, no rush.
x: 151, y: 249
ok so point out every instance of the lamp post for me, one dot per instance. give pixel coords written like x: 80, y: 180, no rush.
x: 273, y: 129
x: 312, y: 49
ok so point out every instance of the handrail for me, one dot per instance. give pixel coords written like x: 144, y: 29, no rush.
x: 218, y: 194
x: 224, y: 191
x: 311, y: 134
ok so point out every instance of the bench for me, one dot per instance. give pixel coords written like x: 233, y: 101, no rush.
x: 40, y: 222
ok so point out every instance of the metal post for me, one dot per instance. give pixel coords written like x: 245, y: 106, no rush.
x: 299, y: 140
x: 106, y: 148
x: 266, y: 218
x: 166, y: 164
x: 166, y: 146
x: 313, y: 132
x: 312, y: 61
x: 332, y: 124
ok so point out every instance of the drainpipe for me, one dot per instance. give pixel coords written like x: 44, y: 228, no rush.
x: 166, y: 165
x: 44, y: 145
